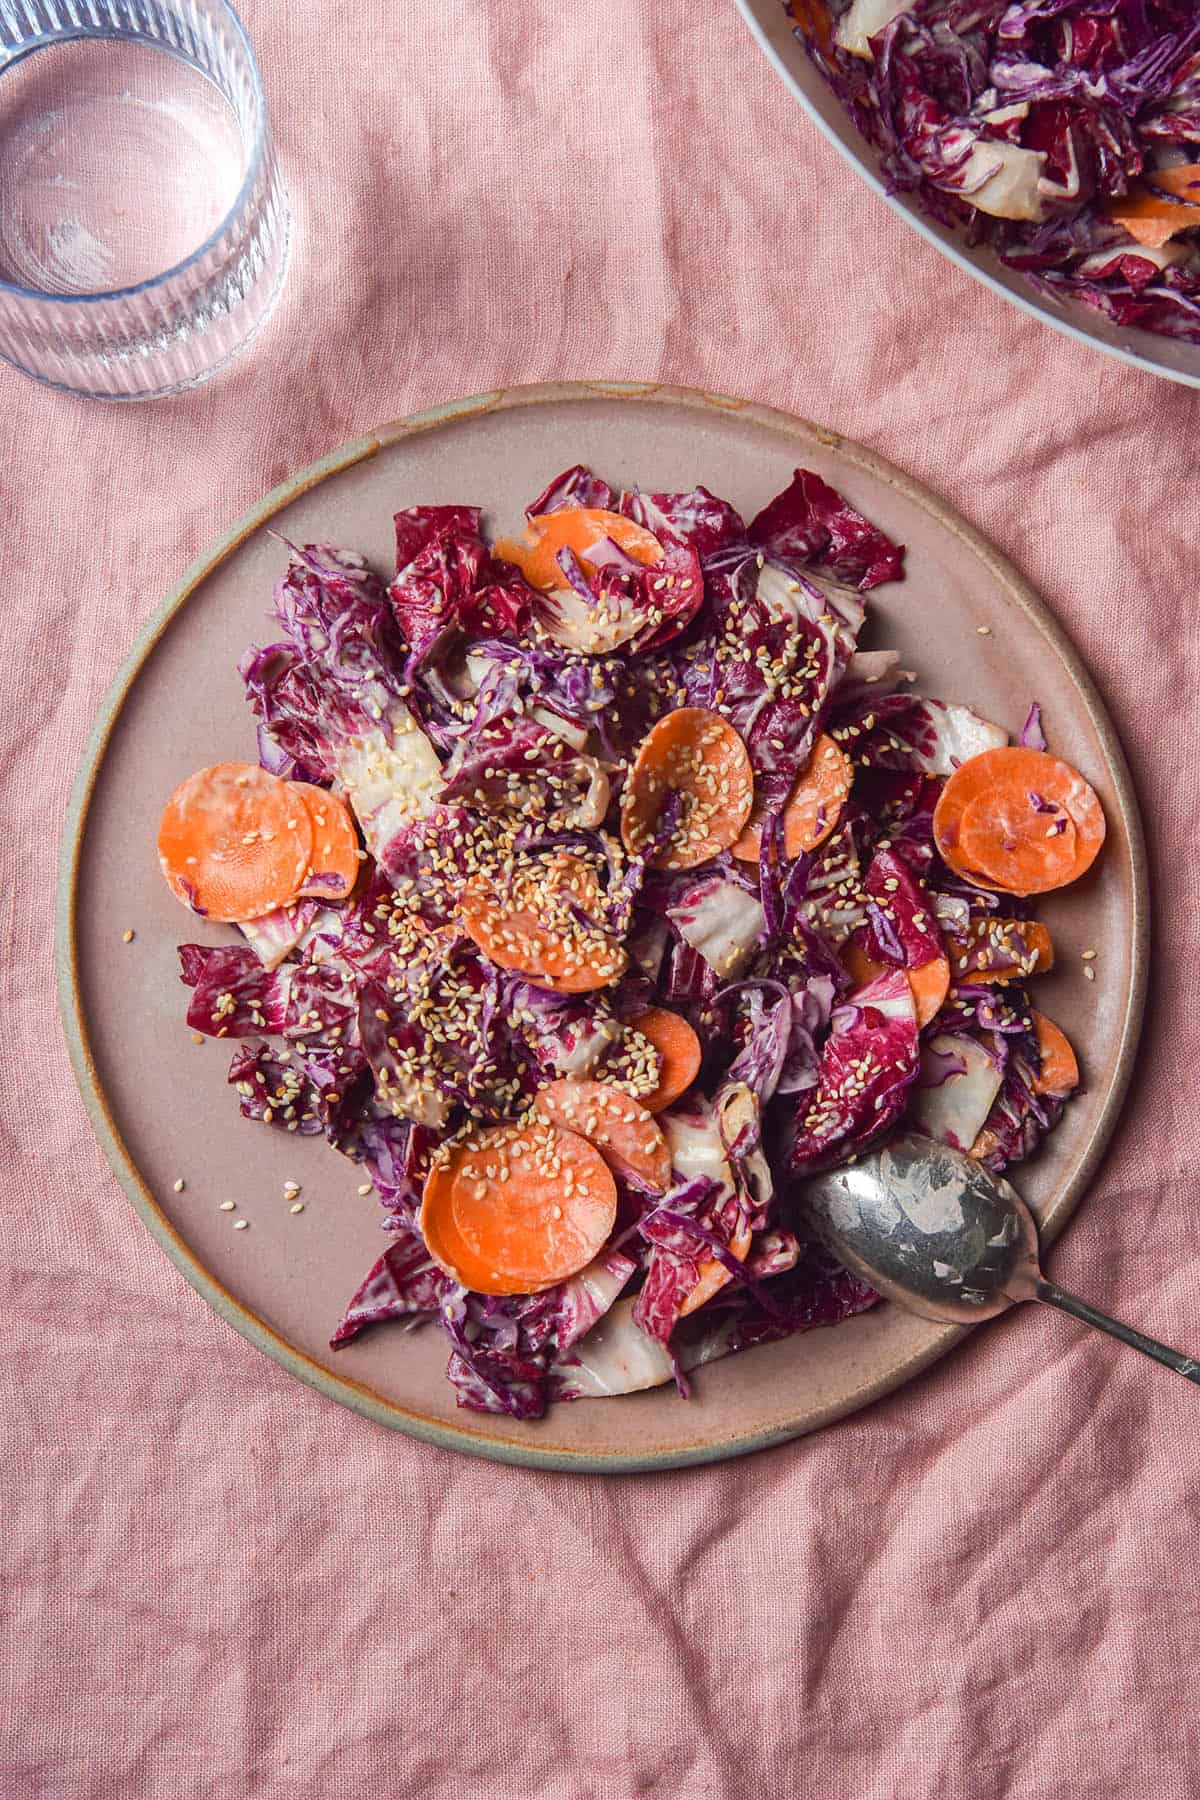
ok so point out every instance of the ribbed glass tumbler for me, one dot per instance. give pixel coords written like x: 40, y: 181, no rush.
x: 143, y: 222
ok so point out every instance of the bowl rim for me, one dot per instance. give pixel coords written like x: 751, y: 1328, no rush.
x: 752, y: 12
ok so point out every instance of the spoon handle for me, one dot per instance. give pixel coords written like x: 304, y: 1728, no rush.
x: 1186, y: 1366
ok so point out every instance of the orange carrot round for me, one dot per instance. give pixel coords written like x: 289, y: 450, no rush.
x: 622, y: 1129
x: 517, y: 1208
x: 1164, y: 204
x: 530, y: 927
x: 697, y: 755
x: 1018, y: 820
x: 235, y: 842
x: 1000, y: 950
x: 711, y: 1276
x: 929, y: 984
x: 579, y: 529
x: 335, y: 859
x: 1060, y: 1070
x: 679, y: 1054
x: 813, y: 807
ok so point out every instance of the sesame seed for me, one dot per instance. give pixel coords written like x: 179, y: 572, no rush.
x: 1089, y: 973
x: 365, y: 1187
x: 228, y: 1205
x: 1088, y: 955
x: 197, y: 1037
x: 240, y: 1224
x: 984, y: 630
x: 127, y: 937
x: 297, y: 1206
x: 179, y: 1184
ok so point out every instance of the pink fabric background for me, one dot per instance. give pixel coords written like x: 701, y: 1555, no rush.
x: 218, y: 1584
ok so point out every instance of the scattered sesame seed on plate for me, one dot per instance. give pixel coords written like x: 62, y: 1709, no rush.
x: 127, y: 936
x: 296, y: 1206
x: 364, y: 1187
x: 1088, y: 955
x: 228, y: 1205
x: 197, y: 1037
x: 179, y: 1184
x: 1090, y: 973
x: 984, y: 630
x: 240, y: 1224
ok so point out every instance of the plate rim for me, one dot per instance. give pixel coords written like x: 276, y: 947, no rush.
x: 357, y: 1395
x: 1144, y: 360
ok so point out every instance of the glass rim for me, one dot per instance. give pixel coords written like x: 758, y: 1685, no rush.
x: 43, y: 41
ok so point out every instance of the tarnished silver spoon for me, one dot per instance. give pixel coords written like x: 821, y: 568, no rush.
x: 931, y: 1229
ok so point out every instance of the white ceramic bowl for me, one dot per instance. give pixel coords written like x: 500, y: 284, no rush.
x: 772, y: 25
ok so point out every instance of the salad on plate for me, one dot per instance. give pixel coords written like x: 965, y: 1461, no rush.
x: 1063, y: 133
x: 592, y: 888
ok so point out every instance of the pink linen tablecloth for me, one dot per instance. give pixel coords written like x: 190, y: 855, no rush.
x: 215, y: 1582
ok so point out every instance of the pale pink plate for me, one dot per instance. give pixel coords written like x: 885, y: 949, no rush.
x: 160, y: 1103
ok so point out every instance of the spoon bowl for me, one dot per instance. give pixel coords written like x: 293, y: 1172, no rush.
x: 933, y: 1230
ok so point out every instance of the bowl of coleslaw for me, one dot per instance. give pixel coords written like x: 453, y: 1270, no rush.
x: 1047, y: 150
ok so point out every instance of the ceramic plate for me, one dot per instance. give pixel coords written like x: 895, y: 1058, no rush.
x: 772, y: 26
x: 160, y: 1103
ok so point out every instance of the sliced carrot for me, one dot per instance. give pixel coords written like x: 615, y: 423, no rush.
x: 579, y: 529
x: 622, y: 1129
x: 813, y: 807
x: 235, y: 842
x: 929, y: 984
x: 679, y: 1054
x: 699, y: 756
x: 335, y: 860
x: 530, y: 926
x: 518, y: 1208
x: 1060, y: 1070
x: 1019, y: 820
x: 812, y: 16
x: 712, y: 1275
x: 1151, y: 215
x: 1000, y: 950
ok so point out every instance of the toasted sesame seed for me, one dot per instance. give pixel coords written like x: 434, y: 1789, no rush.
x: 365, y: 1187
x: 1089, y: 973
x: 179, y: 1184
x: 984, y: 630
x: 1088, y: 955
x: 127, y: 937
x: 197, y: 1037
x: 228, y: 1205
x: 240, y: 1224
x: 297, y: 1206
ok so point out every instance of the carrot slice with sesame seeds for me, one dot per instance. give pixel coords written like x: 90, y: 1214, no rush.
x: 621, y: 1128
x: 679, y: 1054
x: 531, y: 925
x: 1059, y: 1073
x: 517, y: 1208
x: 697, y: 755
x: 335, y: 858
x: 579, y: 529
x: 1018, y: 820
x: 813, y: 807
x: 999, y: 950
x: 711, y: 1276
x: 235, y: 842
x: 929, y: 984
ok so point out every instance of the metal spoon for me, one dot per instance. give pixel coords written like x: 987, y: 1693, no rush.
x: 931, y: 1229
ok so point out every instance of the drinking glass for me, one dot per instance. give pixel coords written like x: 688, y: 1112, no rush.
x: 143, y: 222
